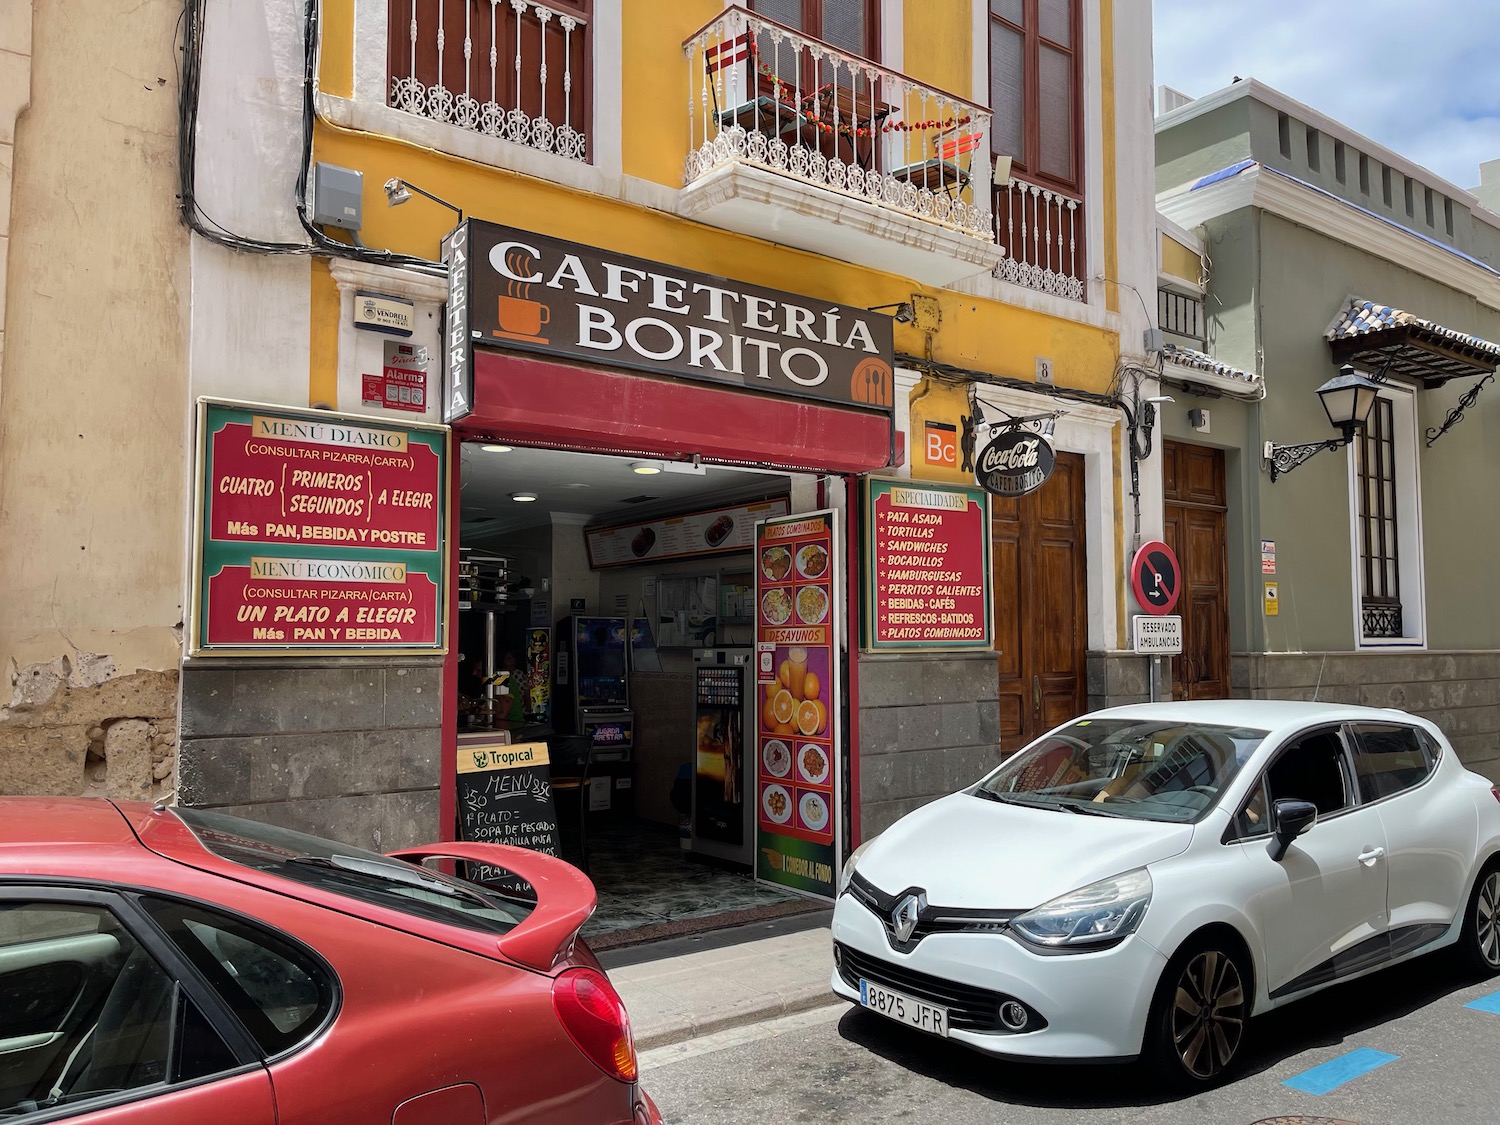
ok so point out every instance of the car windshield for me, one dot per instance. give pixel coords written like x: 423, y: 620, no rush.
x: 1145, y: 769
x: 353, y: 872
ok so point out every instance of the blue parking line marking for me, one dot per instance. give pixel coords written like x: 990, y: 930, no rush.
x: 1331, y: 1075
x: 1490, y: 1003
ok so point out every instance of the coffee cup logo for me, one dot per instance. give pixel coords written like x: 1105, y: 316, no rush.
x: 1014, y: 463
x: 520, y: 317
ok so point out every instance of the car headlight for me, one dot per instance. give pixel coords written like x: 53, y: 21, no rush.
x: 1101, y: 913
x: 848, y: 872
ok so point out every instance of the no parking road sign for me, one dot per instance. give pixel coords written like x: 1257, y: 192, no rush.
x: 1155, y: 577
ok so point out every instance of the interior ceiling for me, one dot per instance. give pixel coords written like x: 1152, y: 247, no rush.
x: 589, y: 484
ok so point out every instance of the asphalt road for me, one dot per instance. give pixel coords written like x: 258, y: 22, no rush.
x: 839, y: 1064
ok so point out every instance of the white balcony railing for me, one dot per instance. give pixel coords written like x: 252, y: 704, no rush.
x: 764, y: 95
x: 505, y: 68
x: 1042, y: 232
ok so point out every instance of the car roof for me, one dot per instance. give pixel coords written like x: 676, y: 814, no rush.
x: 1273, y: 715
x: 28, y: 821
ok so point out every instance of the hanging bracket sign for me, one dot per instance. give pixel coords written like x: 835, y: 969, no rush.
x: 1014, y: 462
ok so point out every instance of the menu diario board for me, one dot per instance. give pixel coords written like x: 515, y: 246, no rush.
x: 505, y: 797
x: 714, y: 532
x: 799, y: 816
x: 318, y: 532
x: 927, y: 582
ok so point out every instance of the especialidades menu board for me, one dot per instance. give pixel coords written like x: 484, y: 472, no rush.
x: 713, y: 532
x: 799, y: 817
x: 927, y: 580
x: 317, y: 532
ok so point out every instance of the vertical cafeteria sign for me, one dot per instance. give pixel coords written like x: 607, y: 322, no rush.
x: 799, y: 817
x: 317, y: 532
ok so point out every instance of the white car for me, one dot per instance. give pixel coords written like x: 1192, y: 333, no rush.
x: 1141, y: 881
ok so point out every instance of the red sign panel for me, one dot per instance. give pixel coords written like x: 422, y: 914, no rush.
x: 278, y: 480
x: 929, y: 574
x: 318, y: 533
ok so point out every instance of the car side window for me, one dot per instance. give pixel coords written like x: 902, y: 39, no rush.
x: 86, y: 1011
x: 1311, y: 769
x: 1390, y: 758
x: 1251, y: 821
x: 279, y: 991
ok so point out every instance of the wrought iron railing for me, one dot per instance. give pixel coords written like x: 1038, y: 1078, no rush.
x: 762, y: 94
x: 1380, y: 618
x: 504, y: 68
x: 1180, y: 314
x: 1042, y: 231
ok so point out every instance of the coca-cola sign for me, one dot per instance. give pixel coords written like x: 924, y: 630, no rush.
x: 1014, y: 463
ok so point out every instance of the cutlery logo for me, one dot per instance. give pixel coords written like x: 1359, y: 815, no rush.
x: 872, y: 383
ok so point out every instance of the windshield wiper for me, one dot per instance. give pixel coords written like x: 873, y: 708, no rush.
x: 1003, y: 798
x: 1086, y: 809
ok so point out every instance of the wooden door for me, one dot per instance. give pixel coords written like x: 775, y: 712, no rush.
x: 1041, y: 604
x: 1195, y: 529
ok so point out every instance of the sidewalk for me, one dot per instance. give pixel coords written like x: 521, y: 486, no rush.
x: 686, y: 987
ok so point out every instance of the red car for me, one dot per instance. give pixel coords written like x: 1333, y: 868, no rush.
x: 181, y: 965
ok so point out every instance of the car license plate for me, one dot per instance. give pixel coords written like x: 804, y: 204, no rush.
x: 903, y: 1008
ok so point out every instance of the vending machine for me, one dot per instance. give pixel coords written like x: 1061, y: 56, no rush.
x: 723, y: 760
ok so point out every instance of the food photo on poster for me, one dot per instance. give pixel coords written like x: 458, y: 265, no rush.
x: 796, y: 647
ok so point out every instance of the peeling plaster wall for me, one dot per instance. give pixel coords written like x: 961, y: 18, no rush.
x: 94, y: 435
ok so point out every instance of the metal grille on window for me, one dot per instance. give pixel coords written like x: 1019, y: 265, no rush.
x: 1380, y: 571
x: 503, y: 68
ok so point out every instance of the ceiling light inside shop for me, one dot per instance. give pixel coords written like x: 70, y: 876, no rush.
x: 523, y: 497
x: 645, y: 468
x: 495, y: 448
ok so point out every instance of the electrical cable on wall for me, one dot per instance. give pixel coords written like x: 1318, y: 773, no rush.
x: 189, y: 84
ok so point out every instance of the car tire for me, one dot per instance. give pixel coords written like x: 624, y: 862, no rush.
x: 1479, y: 943
x: 1199, y: 1015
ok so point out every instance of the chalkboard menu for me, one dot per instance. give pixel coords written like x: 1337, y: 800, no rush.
x: 505, y: 797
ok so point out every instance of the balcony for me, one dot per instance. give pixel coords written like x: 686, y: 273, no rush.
x: 1041, y: 231
x: 794, y: 140
x: 507, y: 68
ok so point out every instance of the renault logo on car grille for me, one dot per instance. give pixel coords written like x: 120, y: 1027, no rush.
x: 904, y: 916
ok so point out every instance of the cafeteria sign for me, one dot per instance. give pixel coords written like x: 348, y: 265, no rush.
x: 317, y: 532
x: 1015, y: 462
x: 532, y: 293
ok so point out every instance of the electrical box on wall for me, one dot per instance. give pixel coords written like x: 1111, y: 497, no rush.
x: 338, y: 196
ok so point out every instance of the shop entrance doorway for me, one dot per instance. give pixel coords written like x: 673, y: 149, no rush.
x: 1041, y: 604
x: 1194, y: 527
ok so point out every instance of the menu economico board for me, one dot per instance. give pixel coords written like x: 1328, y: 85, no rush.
x: 318, y: 532
x: 928, y: 578
x: 799, y: 819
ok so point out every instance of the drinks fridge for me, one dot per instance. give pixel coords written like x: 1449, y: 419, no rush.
x: 723, y: 773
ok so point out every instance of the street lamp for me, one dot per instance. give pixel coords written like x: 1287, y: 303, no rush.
x: 398, y: 191
x: 1347, y: 399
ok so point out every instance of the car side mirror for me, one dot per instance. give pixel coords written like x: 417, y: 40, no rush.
x: 1292, y: 819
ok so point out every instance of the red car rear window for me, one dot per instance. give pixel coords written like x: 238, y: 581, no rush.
x: 353, y: 872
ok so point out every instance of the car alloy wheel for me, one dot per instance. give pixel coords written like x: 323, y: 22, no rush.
x: 1481, y: 940
x: 1207, y: 1014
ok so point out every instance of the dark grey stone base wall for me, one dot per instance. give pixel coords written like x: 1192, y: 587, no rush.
x: 1459, y: 691
x: 344, y: 749
x: 928, y: 724
x: 1118, y: 678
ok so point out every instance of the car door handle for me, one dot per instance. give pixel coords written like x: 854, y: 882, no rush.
x: 1370, y: 855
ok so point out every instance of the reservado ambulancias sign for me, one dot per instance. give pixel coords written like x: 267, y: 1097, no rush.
x: 532, y: 293
x: 317, y: 532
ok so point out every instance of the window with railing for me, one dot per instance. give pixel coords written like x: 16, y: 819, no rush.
x: 1379, y: 538
x: 503, y: 68
x: 1180, y: 314
x: 1036, y: 96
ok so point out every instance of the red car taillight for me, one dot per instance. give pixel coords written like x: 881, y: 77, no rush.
x: 1495, y: 789
x: 593, y: 1015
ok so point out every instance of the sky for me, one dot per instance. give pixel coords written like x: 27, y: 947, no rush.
x: 1421, y: 77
